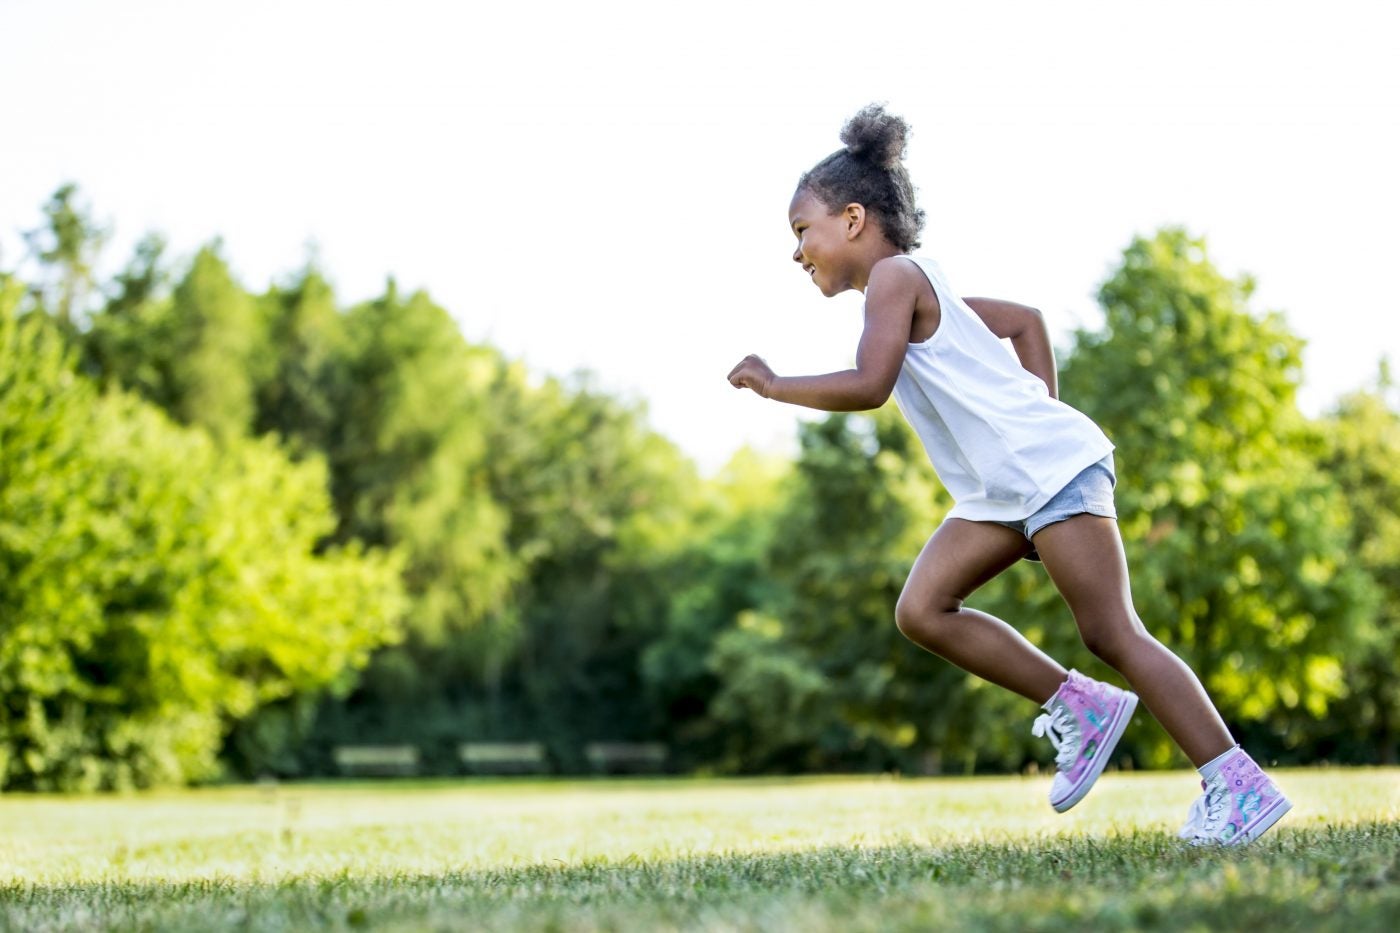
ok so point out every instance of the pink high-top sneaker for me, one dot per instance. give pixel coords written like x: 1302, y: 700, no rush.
x: 1084, y: 721
x: 1239, y: 804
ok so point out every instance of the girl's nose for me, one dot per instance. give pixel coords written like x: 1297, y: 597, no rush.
x: 797, y: 254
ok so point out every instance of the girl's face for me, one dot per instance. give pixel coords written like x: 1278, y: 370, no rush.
x: 824, y: 242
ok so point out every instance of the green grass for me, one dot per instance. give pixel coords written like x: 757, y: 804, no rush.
x: 810, y: 854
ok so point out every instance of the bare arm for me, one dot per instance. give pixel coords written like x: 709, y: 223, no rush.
x: 1025, y: 328
x: 889, y: 309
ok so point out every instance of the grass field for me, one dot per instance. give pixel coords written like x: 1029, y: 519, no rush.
x: 812, y: 854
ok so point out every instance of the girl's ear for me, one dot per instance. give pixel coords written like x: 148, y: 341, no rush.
x: 854, y: 215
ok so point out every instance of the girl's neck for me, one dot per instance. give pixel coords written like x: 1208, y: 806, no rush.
x: 883, y: 251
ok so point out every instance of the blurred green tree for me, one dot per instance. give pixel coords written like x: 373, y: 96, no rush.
x: 1237, y: 542
x: 400, y: 402
x: 67, y: 248
x: 199, y: 353
x: 118, y: 348
x: 217, y: 350
x: 306, y: 342
x: 720, y: 572
x: 408, y: 457
x: 1361, y: 452
x: 155, y: 587
x: 817, y: 675
x: 599, y: 504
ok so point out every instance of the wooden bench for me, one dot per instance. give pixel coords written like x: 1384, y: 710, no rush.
x: 377, y: 760
x: 616, y: 757
x: 503, y: 757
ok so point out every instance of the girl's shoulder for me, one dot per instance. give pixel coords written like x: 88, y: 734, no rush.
x: 906, y: 270
x: 901, y: 282
x: 903, y: 265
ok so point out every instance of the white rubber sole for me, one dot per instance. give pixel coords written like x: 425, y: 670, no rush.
x: 1110, y: 742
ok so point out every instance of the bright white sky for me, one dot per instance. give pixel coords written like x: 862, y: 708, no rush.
x: 604, y: 185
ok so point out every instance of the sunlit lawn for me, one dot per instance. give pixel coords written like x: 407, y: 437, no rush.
x: 835, y: 854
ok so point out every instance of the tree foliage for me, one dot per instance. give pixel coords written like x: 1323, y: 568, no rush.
x: 812, y: 672
x: 244, y: 528
x: 1361, y: 452
x: 157, y: 586
x: 1237, y: 540
x: 67, y: 247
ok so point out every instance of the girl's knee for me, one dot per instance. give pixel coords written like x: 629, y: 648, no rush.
x: 1115, y: 644
x: 905, y: 616
x: 922, y: 620
x: 1101, y: 646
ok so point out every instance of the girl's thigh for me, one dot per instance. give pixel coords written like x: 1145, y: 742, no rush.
x: 960, y: 557
x: 1084, y: 557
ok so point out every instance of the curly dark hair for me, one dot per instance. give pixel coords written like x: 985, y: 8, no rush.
x: 870, y: 171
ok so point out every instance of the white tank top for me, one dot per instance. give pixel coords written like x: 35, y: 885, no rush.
x: 1000, y: 444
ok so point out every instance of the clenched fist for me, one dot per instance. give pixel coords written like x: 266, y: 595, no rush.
x: 752, y: 373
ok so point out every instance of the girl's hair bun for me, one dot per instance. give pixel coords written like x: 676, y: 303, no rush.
x: 876, y: 136
x: 870, y: 171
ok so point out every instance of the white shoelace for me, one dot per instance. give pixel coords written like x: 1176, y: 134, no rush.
x: 1058, y: 726
x: 1206, y: 813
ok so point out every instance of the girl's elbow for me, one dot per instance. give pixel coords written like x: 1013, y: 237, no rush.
x: 874, y: 397
x: 868, y: 389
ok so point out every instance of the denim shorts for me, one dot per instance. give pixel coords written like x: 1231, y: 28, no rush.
x: 1091, y: 492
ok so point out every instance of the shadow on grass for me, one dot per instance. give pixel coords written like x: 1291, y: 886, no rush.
x: 1318, y: 878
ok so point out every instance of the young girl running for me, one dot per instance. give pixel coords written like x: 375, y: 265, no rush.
x: 1030, y: 477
